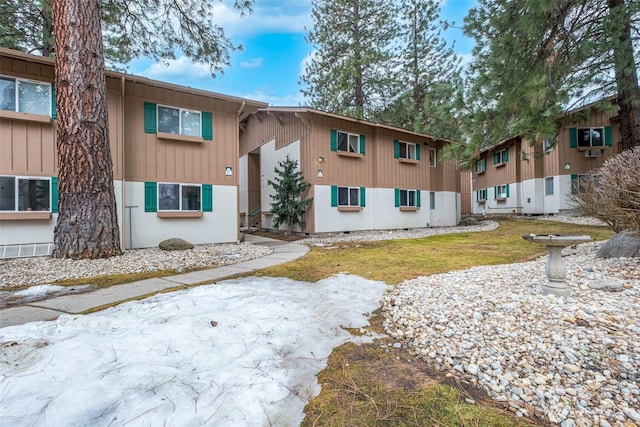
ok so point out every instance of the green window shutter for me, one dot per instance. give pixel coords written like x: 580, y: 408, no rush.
x: 207, y: 126
x: 362, y: 138
x: 495, y: 192
x: 418, y: 198
x: 573, y: 138
x: 396, y: 149
x: 397, y: 197
x: 54, y: 111
x: 150, y: 197
x: 506, y: 155
x: 608, y: 136
x: 507, y: 190
x: 150, y: 120
x: 207, y: 198
x: 495, y: 158
x: 363, y: 197
x: 334, y: 141
x: 417, y: 151
x: 54, y: 195
x: 574, y: 183
x: 334, y: 196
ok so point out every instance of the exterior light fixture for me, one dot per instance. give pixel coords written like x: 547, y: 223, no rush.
x: 567, y: 166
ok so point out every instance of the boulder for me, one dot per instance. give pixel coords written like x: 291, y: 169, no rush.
x: 624, y: 244
x: 469, y: 221
x: 175, y: 244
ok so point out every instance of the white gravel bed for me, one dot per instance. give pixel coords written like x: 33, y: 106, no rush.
x: 574, y: 219
x: 323, y: 239
x: 576, y: 360
x: 21, y: 272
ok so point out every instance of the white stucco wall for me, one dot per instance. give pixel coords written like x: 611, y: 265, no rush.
x: 533, y: 198
x: 243, y: 189
x: 564, y: 191
x: 147, y: 230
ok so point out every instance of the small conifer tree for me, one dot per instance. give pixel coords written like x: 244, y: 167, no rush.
x: 289, y: 185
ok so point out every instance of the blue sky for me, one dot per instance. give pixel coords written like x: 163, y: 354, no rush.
x: 269, y: 67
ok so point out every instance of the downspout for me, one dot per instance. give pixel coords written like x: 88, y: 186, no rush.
x: 122, y: 171
x: 237, y: 162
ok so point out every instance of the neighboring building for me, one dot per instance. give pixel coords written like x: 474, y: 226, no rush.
x: 517, y: 177
x: 174, y: 150
x: 363, y: 176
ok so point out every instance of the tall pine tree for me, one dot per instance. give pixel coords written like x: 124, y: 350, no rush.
x: 289, y: 186
x: 350, y: 71
x: 534, y: 60
x: 428, y: 82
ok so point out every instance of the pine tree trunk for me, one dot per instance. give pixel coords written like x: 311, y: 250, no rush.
x: 626, y: 76
x: 87, y: 223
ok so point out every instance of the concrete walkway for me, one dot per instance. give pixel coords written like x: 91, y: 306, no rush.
x: 50, y: 309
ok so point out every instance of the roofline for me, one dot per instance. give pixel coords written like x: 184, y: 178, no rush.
x: 310, y: 110
x: 139, y: 79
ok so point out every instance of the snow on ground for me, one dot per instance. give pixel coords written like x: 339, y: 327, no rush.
x: 243, y: 352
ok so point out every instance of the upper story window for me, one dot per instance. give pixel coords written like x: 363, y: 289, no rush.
x: 406, y: 150
x: 433, y: 157
x: 346, y: 142
x: 590, y: 137
x: 481, y: 166
x: 26, y: 96
x: 501, y: 157
x: 179, y: 197
x: 179, y: 121
x: 25, y: 194
x: 548, y: 144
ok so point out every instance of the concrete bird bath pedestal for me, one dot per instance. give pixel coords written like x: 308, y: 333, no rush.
x: 555, y: 269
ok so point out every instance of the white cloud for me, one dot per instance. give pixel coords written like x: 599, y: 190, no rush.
x: 252, y: 63
x: 268, y: 16
x: 265, y: 94
x: 179, y: 68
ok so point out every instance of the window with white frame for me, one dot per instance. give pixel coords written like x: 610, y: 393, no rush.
x: 408, y: 198
x: 25, y: 96
x: 501, y: 157
x: 348, y: 196
x: 433, y: 155
x: 502, y: 191
x: 179, y: 121
x: 349, y: 142
x: 407, y: 150
x: 432, y: 199
x: 481, y: 166
x: 548, y: 144
x: 590, y: 137
x: 548, y: 186
x: 481, y: 195
x: 179, y: 197
x: 23, y: 194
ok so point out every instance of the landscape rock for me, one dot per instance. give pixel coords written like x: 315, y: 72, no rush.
x: 607, y: 285
x: 175, y: 244
x: 624, y: 244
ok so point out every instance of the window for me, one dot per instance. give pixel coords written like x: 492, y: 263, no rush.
x: 583, y: 182
x: 432, y: 157
x: 481, y: 166
x: 548, y: 186
x: 548, y: 144
x: 406, y: 150
x: 25, y: 96
x: 179, y: 121
x: 179, y: 197
x: 501, y: 157
x: 348, y: 142
x: 481, y: 195
x: 407, y: 198
x: 25, y: 194
x: 348, y: 196
x: 590, y: 137
x: 502, y: 191
x: 432, y: 199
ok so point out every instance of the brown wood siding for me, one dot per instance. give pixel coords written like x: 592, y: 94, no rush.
x: 149, y: 158
x: 27, y: 70
x: 465, y: 193
x: 506, y: 174
x: 27, y: 148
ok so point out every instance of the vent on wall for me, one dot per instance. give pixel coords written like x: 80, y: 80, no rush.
x: 25, y: 250
x: 592, y: 153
